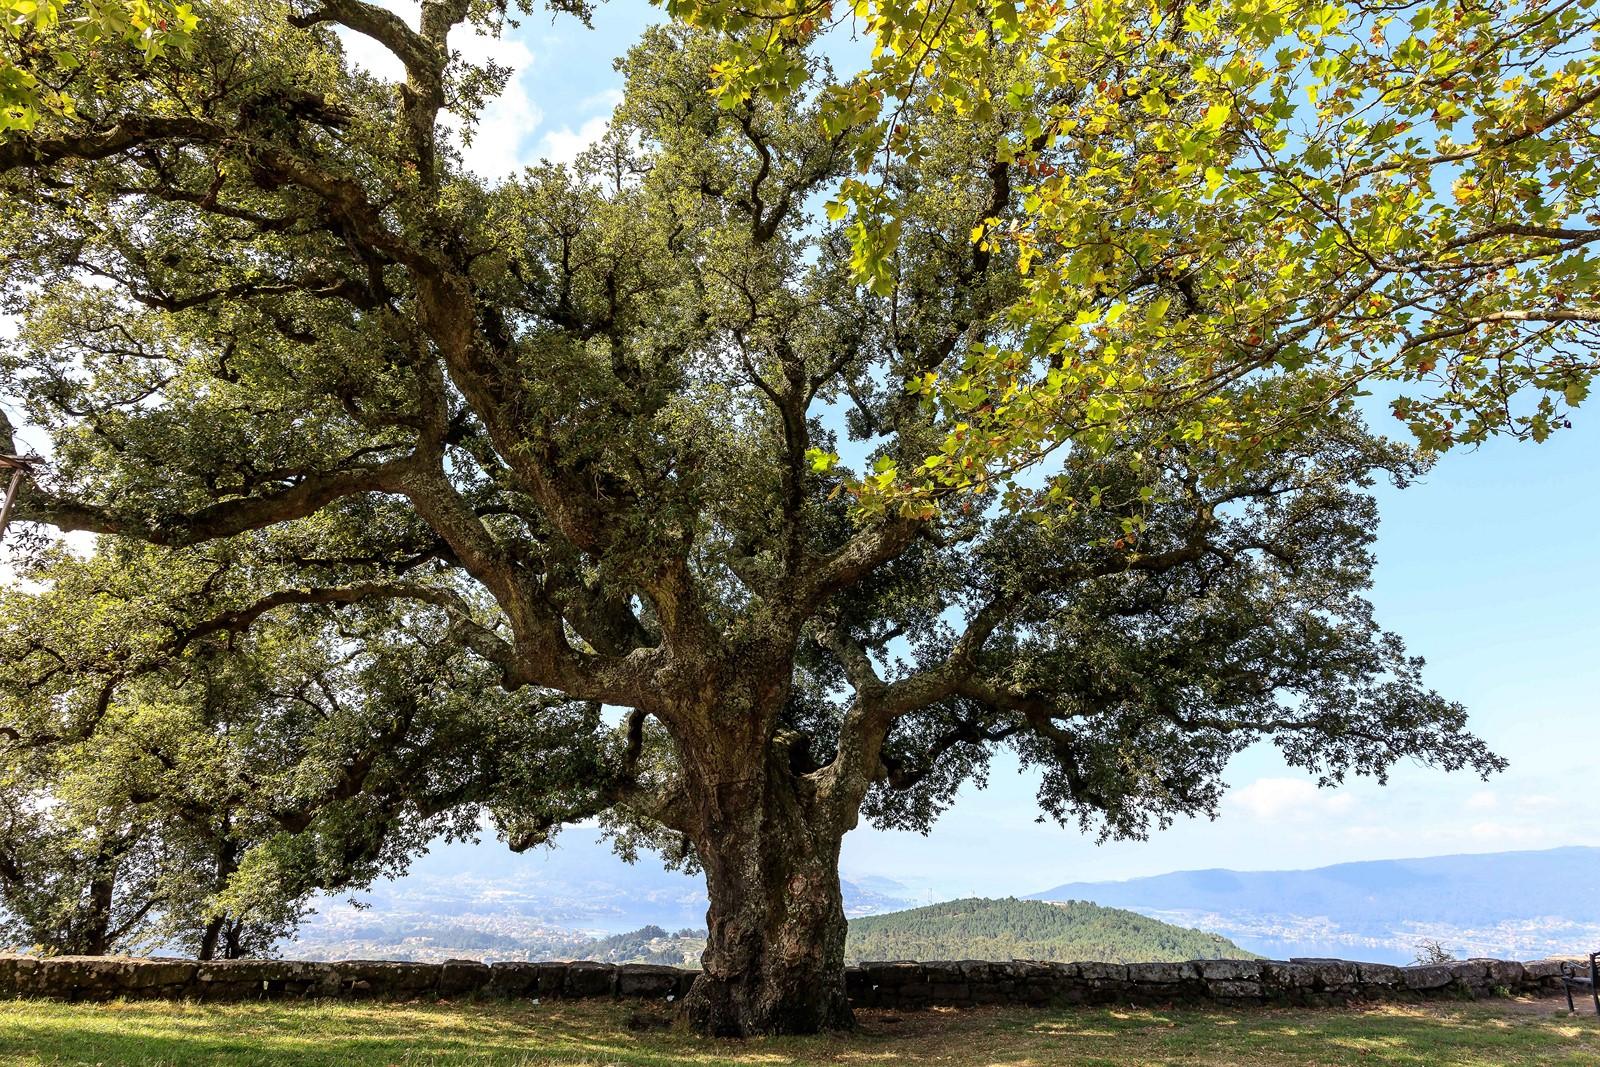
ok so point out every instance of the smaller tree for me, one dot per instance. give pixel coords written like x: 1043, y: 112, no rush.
x: 68, y: 888
x: 1225, y: 193
x: 1432, y: 951
x: 196, y: 790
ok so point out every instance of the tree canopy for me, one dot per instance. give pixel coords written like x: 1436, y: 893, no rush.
x: 1391, y: 196
x: 52, y: 51
x: 182, y: 782
x: 632, y: 433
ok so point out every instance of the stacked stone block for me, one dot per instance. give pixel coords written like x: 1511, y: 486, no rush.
x: 903, y: 985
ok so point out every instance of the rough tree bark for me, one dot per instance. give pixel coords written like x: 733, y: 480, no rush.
x: 94, y: 935
x: 774, y: 960
x: 211, y: 937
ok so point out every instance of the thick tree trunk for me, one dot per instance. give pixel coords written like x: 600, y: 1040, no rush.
x: 95, y: 933
x: 774, y: 961
x: 222, y: 938
x: 210, y: 936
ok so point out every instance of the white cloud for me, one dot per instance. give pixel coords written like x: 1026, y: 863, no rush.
x: 509, y: 121
x: 563, y: 145
x: 1379, y: 834
x: 1279, y: 799
x: 1482, y: 800
x: 1513, y: 834
x: 368, y: 54
x: 604, y: 100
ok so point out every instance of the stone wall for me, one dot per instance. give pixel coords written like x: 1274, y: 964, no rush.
x: 1311, y: 983
x: 885, y: 985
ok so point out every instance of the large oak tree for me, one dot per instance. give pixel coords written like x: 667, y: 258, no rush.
x: 607, y: 427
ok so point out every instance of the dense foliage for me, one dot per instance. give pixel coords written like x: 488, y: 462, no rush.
x: 49, y: 50
x: 1008, y: 929
x: 1211, y: 195
x: 626, y: 434
x: 648, y: 944
x: 190, y: 786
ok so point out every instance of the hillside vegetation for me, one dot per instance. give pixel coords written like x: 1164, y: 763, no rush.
x: 981, y: 929
x: 649, y: 944
x: 955, y: 930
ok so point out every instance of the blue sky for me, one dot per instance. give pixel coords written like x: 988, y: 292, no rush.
x: 1489, y: 567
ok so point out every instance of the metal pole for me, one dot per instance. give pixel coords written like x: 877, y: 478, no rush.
x: 11, y: 495
x: 19, y: 467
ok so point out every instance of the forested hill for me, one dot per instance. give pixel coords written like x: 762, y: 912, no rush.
x: 1029, y: 929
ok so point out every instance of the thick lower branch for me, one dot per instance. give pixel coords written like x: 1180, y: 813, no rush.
x: 307, y: 496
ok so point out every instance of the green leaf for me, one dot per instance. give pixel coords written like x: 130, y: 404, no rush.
x: 821, y: 460
x: 1216, y: 117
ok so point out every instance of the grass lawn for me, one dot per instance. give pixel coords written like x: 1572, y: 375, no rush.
x: 596, y: 1034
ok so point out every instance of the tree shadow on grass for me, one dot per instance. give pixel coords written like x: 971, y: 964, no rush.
x: 498, y: 1034
x: 146, y: 1034
x: 1467, y: 1036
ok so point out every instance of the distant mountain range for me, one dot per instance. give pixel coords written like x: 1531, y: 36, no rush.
x: 486, y: 902
x: 959, y: 929
x: 1521, y: 905
x: 980, y: 929
x: 479, y: 901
